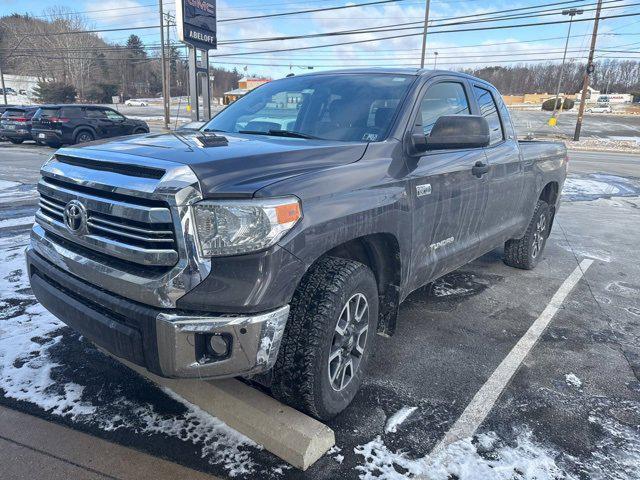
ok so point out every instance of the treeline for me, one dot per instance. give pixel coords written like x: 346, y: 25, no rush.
x: 86, y: 67
x: 611, y: 76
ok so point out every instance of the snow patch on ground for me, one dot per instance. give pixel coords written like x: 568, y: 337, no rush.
x: 5, y: 184
x: 582, y: 186
x: 572, y: 380
x: 27, y: 373
x: 594, y: 253
x: 16, y: 222
x: 482, y: 458
x: 398, y: 418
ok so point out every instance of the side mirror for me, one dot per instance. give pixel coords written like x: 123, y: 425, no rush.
x: 458, y: 131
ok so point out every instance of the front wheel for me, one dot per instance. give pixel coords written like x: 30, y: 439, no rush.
x: 526, y: 252
x: 84, y: 137
x: 16, y: 141
x: 328, y: 338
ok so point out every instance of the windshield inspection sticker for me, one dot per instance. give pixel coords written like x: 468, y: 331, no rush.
x: 370, y: 137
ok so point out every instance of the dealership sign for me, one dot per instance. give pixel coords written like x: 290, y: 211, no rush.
x: 196, y: 23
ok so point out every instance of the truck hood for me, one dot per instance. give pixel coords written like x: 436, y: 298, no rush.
x: 240, y: 168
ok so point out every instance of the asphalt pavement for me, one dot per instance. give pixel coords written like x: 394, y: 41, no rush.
x: 571, y: 410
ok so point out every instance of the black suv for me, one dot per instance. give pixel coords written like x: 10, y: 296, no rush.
x: 15, y: 123
x: 68, y: 124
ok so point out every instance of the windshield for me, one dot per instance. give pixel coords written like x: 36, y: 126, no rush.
x: 344, y: 107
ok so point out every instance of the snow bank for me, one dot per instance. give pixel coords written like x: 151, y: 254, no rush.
x: 28, y: 333
x: 481, y: 458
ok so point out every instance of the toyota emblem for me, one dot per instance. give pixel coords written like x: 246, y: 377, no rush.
x: 75, y: 217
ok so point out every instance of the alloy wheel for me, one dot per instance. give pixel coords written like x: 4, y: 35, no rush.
x: 349, y: 342
x: 539, y: 236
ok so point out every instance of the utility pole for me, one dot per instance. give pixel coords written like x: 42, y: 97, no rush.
x: 168, y: 68
x: 572, y: 12
x: 4, y: 89
x: 588, y: 71
x: 424, y: 33
x: 165, y: 99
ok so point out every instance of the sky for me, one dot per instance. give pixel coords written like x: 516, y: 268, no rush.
x: 454, y: 49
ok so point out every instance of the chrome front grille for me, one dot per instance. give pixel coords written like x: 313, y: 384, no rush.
x: 137, y: 238
x: 139, y: 230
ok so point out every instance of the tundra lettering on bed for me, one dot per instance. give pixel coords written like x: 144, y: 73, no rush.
x: 277, y: 241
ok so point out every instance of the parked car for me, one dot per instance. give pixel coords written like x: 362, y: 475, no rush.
x: 56, y: 125
x: 280, y: 254
x: 8, y: 90
x: 15, y: 123
x: 600, y: 108
x: 3, y: 108
x: 136, y: 103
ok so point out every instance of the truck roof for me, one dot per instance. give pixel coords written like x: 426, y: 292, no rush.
x: 414, y: 71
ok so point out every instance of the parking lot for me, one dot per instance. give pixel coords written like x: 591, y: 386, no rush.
x: 572, y: 409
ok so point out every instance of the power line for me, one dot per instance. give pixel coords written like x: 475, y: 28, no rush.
x: 405, y: 26
x: 324, y: 9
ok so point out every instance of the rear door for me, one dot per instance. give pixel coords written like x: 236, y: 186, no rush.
x: 448, y: 200
x: 505, y: 177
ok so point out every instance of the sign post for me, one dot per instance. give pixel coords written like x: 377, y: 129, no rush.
x: 197, y: 27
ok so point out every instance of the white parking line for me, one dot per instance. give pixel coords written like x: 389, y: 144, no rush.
x: 485, y: 399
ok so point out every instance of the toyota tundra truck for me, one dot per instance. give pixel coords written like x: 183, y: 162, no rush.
x: 277, y: 242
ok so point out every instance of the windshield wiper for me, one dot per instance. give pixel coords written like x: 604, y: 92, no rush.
x: 280, y: 133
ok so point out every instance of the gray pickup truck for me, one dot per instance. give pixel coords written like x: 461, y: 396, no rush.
x: 275, y: 242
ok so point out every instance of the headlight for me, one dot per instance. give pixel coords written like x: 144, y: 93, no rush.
x: 231, y: 227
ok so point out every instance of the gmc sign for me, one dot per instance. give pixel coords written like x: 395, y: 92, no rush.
x: 196, y: 23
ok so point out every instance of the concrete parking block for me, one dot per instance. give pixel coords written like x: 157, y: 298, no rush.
x: 293, y: 436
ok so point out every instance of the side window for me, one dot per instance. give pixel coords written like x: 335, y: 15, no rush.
x: 447, y: 98
x: 95, y: 113
x: 489, y: 110
x: 113, y: 115
x: 71, y: 112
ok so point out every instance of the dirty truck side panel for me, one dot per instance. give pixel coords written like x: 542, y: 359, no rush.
x: 350, y: 201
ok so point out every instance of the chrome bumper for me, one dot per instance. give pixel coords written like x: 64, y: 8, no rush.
x: 254, y: 343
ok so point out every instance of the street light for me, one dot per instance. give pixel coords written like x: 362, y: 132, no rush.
x: 435, y: 59
x: 572, y: 12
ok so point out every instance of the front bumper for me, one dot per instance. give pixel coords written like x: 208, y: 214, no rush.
x: 169, y: 343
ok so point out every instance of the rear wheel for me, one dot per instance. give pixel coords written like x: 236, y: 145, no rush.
x: 526, y: 252
x: 84, y: 136
x: 328, y: 338
x: 16, y: 141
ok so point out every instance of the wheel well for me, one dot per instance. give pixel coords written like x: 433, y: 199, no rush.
x: 381, y: 253
x: 84, y: 129
x: 550, y: 193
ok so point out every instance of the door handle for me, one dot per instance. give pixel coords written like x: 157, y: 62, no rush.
x: 479, y: 169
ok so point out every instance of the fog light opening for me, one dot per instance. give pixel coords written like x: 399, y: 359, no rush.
x: 218, y: 345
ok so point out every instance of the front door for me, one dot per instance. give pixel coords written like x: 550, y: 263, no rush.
x: 449, y: 201
x: 505, y: 176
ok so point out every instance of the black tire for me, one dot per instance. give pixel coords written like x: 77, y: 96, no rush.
x: 301, y: 375
x: 16, y: 141
x: 84, y: 136
x: 525, y: 252
x: 139, y: 131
